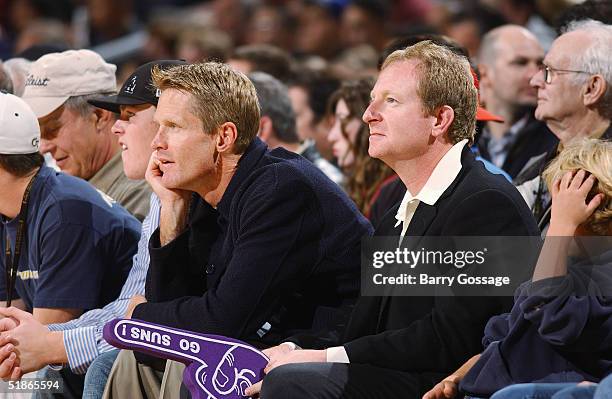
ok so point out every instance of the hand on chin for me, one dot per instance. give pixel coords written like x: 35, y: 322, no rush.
x: 160, y: 179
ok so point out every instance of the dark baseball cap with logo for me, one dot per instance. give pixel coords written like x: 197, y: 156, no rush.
x: 137, y: 89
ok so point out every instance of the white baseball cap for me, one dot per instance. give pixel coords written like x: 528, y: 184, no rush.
x: 19, y: 130
x: 55, y: 77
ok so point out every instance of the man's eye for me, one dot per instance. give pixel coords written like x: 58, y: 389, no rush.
x: 49, y: 134
x: 390, y: 100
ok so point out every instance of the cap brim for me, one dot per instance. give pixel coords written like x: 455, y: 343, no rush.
x: 112, y: 103
x: 486, y: 116
x: 43, y: 106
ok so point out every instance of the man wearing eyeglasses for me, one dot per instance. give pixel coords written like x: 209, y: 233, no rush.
x: 574, y: 99
x: 509, y: 56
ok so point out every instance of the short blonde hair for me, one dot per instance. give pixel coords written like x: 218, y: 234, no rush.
x: 445, y: 79
x: 221, y: 95
x: 593, y: 156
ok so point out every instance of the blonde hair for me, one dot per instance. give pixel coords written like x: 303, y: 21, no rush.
x: 595, y: 157
x: 445, y: 79
x: 221, y: 95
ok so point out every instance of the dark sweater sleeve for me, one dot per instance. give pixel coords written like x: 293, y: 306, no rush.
x: 175, y: 269
x: 497, y: 328
x: 165, y: 277
x: 572, y: 311
x: 271, y: 219
x: 452, y: 332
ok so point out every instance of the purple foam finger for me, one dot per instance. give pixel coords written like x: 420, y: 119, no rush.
x: 217, y: 367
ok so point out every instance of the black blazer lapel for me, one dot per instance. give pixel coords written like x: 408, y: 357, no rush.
x: 423, y: 218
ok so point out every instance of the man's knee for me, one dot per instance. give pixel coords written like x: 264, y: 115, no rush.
x: 304, y: 380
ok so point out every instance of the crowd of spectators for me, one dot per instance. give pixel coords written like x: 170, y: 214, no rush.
x: 343, y: 35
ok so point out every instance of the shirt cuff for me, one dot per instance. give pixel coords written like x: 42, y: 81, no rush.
x: 337, y: 354
x: 291, y: 345
x: 81, y: 348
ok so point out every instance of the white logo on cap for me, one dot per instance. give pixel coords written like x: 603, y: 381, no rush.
x: 130, y: 88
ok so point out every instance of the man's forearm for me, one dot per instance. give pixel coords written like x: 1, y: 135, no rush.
x: 172, y: 220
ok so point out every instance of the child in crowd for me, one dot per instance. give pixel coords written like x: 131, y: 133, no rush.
x: 559, y: 327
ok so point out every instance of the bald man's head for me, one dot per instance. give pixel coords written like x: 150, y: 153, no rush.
x: 510, y: 55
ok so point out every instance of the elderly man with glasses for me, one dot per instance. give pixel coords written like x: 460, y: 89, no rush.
x: 574, y: 100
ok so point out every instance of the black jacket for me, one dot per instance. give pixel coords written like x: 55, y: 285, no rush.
x: 279, y: 255
x: 533, y: 139
x: 437, y: 334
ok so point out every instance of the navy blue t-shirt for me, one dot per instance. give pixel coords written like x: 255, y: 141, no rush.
x: 78, y: 248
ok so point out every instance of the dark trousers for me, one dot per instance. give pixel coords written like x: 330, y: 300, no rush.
x: 346, y: 381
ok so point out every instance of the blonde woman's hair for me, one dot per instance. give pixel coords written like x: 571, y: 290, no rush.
x: 221, y: 94
x: 445, y: 78
x: 595, y: 157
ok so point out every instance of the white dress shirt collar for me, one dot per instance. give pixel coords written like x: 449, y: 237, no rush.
x: 440, y: 179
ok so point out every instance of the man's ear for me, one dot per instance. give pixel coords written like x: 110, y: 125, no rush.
x: 104, y: 119
x: 266, y: 129
x: 594, y: 90
x: 227, y: 134
x: 444, y: 117
x: 483, y: 72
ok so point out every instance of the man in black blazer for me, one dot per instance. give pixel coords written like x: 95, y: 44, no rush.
x: 421, y: 118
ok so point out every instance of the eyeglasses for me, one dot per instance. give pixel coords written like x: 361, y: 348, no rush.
x: 549, y: 70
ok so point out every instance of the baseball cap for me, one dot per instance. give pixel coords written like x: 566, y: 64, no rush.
x: 137, y: 89
x: 483, y: 115
x: 55, y: 77
x: 20, y: 133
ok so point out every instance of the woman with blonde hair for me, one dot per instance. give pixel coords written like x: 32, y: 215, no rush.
x: 560, y: 326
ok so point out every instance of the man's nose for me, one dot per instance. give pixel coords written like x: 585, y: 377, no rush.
x: 45, y: 146
x: 537, y: 80
x: 370, y: 114
x: 118, y: 127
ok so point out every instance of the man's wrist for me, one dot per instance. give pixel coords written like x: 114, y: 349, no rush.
x: 55, y: 351
x: 173, y: 220
x: 454, y: 378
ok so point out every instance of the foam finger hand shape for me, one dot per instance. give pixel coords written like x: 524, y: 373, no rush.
x: 217, y: 367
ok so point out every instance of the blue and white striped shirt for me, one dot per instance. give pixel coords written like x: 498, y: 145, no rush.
x: 83, y: 336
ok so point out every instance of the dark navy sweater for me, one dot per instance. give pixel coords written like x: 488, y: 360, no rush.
x: 279, y: 255
x: 559, y: 330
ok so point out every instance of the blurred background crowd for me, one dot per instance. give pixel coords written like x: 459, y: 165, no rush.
x: 343, y: 35
x: 326, y: 52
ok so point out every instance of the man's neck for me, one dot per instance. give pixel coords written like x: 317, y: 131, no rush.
x: 510, y: 113
x: 272, y: 143
x: 106, y: 151
x: 293, y: 147
x: 590, y: 124
x: 414, y: 173
x: 213, y: 193
x: 10, y: 200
